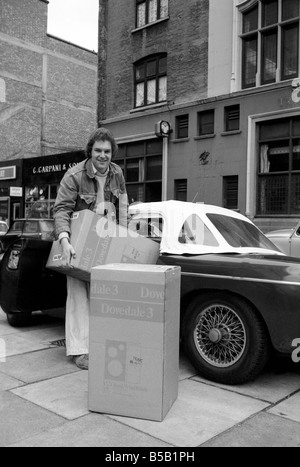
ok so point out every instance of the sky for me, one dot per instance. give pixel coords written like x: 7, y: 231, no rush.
x: 75, y: 21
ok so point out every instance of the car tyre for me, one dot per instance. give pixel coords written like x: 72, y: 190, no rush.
x: 225, y: 339
x: 18, y: 320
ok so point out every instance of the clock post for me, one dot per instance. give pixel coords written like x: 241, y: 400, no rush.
x: 163, y: 129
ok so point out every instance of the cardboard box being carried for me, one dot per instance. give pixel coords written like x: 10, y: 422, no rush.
x: 134, y: 340
x: 98, y: 241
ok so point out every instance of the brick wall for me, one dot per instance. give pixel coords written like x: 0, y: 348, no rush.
x: 48, y: 87
x: 183, y: 37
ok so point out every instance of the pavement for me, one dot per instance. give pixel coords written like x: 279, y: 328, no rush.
x: 43, y: 402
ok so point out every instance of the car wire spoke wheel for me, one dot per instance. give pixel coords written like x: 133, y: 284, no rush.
x: 220, y: 336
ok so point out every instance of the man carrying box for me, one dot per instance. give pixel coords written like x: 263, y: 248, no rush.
x: 96, y: 184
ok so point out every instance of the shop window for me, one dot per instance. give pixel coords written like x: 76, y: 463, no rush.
x: 151, y: 80
x: 39, y: 201
x: 230, y: 192
x: 182, y: 126
x: 279, y: 167
x: 206, y: 122
x: 270, y: 42
x: 232, y: 118
x: 149, y: 11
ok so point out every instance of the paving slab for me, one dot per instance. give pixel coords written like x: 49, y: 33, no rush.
x: 65, y: 395
x: 20, y: 419
x: 92, y: 431
x: 289, y: 408
x: 37, y: 366
x: 7, y: 382
x: 200, y: 413
x: 262, y: 430
x: 269, y: 387
x: 20, y: 343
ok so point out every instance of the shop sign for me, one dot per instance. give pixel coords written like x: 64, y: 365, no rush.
x: 8, y: 173
x: 16, y: 191
x: 46, y: 169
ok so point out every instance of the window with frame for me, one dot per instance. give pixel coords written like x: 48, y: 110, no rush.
x: 232, y: 118
x: 150, y: 80
x: 141, y: 163
x: 230, y: 191
x: 278, y: 190
x: 182, y: 126
x: 180, y: 189
x: 206, y: 122
x: 149, y: 11
x: 270, y: 42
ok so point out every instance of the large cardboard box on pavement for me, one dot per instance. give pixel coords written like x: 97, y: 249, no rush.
x: 98, y: 241
x: 134, y: 340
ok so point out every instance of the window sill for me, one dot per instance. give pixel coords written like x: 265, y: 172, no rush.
x: 180, y: 140
x: 230, y: 133
x: 212, y: 135
x: 148, y: 107
x: 162, y: 20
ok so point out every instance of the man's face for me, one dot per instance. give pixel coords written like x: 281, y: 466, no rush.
x: 101, y: 155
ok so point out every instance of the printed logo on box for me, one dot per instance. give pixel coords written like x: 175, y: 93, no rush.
x: 123, y: 362
x: 2, y: 351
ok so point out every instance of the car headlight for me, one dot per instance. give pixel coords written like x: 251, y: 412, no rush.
x: 14, y: 259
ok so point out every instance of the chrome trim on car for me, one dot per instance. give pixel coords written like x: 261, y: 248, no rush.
x: 248, y: 279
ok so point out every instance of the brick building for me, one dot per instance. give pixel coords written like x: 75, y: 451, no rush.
x: 48, y: 104
x: 224, y: 74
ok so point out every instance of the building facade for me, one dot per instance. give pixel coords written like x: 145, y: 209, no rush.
x: 48, y: 103
x: 225, y: 75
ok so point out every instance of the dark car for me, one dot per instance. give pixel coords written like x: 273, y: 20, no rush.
x: 41, y: 229
x: 240, y: 294
x: 26, y: 285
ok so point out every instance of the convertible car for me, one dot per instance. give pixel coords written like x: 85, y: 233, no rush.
x: 240, y: 294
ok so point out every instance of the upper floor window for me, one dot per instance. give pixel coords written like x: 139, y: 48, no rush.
x: 232, y: 118
x: 270, y: 36
x: 206, y: 122
x: 182, y: 126
x: 149, y: 11
x: 151, y: 80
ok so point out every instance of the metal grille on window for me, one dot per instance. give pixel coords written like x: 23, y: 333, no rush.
x: 182, y: 125
x: 181, y: 190
x: 232, y: 118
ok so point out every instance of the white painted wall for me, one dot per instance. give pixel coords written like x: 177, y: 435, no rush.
x: 220, y: 53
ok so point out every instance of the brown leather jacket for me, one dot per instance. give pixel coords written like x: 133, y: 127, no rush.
x: 78, y: 191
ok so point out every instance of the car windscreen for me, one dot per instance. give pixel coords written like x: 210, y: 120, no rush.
x: 3, y: 228
x: 240, y: 234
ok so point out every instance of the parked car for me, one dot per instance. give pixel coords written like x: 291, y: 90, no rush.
x: 27, y: 228
x: 287, y: 240
x: 3, y: 228
x: 26, y: 285
x: 240, y: 295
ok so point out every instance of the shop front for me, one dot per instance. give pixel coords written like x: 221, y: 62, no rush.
x: 41, y: 179
x: 11, y: 190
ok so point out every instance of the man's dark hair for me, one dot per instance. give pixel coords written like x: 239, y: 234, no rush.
x: 101, y: 134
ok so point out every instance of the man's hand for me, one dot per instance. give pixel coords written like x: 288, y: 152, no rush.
x: 68, y: 252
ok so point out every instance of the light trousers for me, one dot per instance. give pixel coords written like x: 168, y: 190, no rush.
x: 77, y: 317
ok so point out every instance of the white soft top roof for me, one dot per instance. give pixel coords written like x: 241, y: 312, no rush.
x: 175, y: 214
